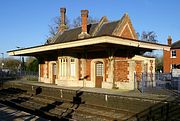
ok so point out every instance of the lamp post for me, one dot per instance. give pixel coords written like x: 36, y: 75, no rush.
x: 21, y: 61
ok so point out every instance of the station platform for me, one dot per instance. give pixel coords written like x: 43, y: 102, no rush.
x: 150, y: 93
x: 128, y: 102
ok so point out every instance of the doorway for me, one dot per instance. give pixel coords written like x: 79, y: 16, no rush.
x: 99, y: 69
x: 53, y: 72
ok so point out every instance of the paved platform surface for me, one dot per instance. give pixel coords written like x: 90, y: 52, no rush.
x: 10, y: 114
x: 153, y: 93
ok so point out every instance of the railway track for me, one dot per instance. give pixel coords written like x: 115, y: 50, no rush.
x: 54, y: 108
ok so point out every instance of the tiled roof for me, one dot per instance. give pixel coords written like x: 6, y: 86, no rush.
x: 176, y: 44
x: 72, y: 34
x: 96, y: 29
x: 107, y: 28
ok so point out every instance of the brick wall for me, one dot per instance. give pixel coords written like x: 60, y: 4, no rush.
x: 47, y: 69
x: 88, y: 69
x: 126, y: 33
x: 41, y: 70
x: 106, y: 68
x: 168, y: 60
x: 121, y: 71
x: 177, y: 59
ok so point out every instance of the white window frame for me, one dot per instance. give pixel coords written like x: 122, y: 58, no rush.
x: 173, y: 51
x: 63, y: 67
x: 67, y: 68
x: 72, y: 67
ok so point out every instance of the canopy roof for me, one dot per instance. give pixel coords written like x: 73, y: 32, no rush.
x: 98, y: 40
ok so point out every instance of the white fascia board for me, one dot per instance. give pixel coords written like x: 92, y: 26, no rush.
x: 90, y: 41
x: 127, y: 42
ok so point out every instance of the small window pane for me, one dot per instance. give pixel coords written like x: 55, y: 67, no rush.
x: 173, y: 53
x: 72, y: 60
x: 99, y: 69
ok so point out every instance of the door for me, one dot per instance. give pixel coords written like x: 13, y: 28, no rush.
x: 99, y: 74
x: 53, y: 73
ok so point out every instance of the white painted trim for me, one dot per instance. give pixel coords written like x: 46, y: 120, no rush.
x: 90, y: 41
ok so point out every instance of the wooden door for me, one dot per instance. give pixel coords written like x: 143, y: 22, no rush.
x: 99, y: 74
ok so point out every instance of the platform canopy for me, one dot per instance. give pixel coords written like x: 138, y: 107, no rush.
x: 91, y: 43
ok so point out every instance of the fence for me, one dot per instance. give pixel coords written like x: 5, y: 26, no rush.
x: 6, y: 75
x: 157, y: 80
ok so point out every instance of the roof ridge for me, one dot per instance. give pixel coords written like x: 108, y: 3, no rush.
x: 80, y: 26
x: 111, y: 21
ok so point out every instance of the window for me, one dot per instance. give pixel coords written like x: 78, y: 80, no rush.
x: 72, y: 67
x: 99, y: 69
x: 63, y: 67
x: 173, y: 66
x: 173, y: 53
x: 67, y: 67
x: 54, y: 69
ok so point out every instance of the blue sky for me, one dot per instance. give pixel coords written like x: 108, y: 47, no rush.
x: 24, y: 23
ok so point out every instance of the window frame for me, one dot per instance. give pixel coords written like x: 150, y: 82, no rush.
x: 72, y: 70
x: 172, y: 53
x: 67, y: 67
x: 63, y: 67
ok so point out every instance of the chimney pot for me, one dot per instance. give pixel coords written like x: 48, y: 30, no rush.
x: 169, y: 40
x: 63, y: 10
x: 62, y: 26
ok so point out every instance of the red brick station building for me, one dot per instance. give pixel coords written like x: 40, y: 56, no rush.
x: 103, y: 55
x: 172, y: 57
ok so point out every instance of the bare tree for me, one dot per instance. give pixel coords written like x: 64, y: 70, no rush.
x: 149, y: 36
x: 11, y: 63
x: 77, y: 21
x: 53, y: 28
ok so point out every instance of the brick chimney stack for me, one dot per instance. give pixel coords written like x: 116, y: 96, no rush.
x: 169, y: 40
x: 84, y: 17
x: 62, y: 26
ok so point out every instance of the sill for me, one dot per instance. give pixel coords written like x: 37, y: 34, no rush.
x: 173, y: 57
